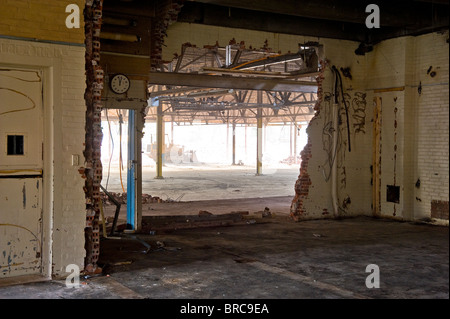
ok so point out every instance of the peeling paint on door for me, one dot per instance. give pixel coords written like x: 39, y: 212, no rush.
x: 21, y: 170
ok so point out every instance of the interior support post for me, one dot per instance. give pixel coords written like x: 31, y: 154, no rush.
x: 159, y: 141
x: 259, y: 145
x: 131, y: 172
x: 234, y: 143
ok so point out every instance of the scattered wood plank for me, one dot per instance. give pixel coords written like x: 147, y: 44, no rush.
x: 158, y: 223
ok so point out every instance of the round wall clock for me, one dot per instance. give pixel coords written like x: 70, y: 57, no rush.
x: 120, y: 83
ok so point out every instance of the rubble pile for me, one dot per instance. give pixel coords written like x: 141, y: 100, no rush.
x: 121, y: 198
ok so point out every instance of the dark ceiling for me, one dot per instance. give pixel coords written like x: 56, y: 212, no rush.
x: 316, y: 18
x: 324, y: 18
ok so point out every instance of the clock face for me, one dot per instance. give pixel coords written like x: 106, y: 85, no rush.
x: 120, y: 83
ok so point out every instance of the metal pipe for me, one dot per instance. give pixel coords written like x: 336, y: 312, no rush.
x: 334, y: 196
x: 335, y: 127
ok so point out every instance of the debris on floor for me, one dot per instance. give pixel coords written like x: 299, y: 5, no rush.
x: 162, y: 246
x: 291, y: 160
x: 203, y: 219
x: 143, y: 242
x: 122, y: 198
x: 266, y: 212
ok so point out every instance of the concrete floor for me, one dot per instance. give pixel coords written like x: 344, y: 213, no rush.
x: 274, y: 258
x: 197, y: 181
x: 271, y: 258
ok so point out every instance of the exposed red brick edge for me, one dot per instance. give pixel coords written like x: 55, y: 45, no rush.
x: 92, y: 173
x: 166, y: 14
x: 304, y: 182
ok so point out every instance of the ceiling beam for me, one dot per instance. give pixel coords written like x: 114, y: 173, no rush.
x: 269, y: 22
x: 395, y: 13
x: 446, y: 2
x: 243, y: 83
x: 284, y: 75
x: 134, y: 8
x: 325, y: 19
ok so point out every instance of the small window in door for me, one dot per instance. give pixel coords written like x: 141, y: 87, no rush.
x: 15, y: 145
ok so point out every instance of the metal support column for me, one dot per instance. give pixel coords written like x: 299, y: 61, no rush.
x: 159, y: 141
x: 228, y: 55
x: 245, y: 139
x: 234, y: 143
x: 259, y: 136
x: 171, y: 131
x: 290, y: 139
x: 131, y: 172
x: 296, y: 133
x: 228, y: 140
x: 140, y: 123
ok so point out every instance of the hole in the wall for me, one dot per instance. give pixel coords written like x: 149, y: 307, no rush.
x: 15, y: 145
x: 393, y: 194
x: 430, y: 72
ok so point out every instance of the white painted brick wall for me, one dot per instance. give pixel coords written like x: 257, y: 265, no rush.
x: 71, y: 231
x: 433, y: 122
x: 423, y: 124
x: 353, y: 166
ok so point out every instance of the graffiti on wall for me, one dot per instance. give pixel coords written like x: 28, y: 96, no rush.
x: 359, y: 112
x: 356, y: 107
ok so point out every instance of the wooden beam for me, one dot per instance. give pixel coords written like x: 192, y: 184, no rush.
x: 243, y: 83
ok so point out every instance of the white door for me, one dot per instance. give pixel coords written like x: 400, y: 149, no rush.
x: 21, y: 175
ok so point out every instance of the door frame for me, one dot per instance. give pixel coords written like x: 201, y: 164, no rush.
x: 46, y: 72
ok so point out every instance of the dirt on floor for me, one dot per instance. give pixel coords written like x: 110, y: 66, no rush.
x: 270, y: 258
